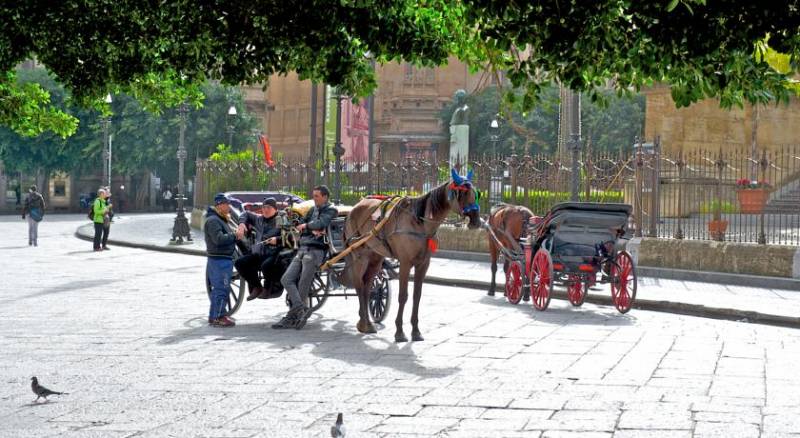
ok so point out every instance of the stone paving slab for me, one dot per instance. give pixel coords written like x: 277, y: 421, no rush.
x: 124, y: 333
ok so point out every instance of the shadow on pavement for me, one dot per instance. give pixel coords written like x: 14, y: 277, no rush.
x: 331, y: 340
x: 599, y: 316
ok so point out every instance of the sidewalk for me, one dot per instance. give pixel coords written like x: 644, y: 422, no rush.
x: 762, y: 305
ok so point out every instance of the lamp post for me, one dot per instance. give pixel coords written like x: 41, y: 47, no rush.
x: 180, y: 228
x: 338, y: 150
x: 575, y: 143
x: 106, y: 121
x: 497, y: 180
x: 231, y: 120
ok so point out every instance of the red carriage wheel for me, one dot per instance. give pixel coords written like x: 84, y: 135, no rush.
x: 623, y: 282
x: 576, y: 290
x: 541, y: 279
x: 514, y: 282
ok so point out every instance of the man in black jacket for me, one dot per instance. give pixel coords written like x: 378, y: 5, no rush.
x: 264, y: 253
x: 313, y: 247
x: 220, y: 246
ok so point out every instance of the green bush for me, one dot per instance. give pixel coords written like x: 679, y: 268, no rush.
x: 725, y: 207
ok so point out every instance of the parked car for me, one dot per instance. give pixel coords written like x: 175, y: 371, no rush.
x: 251, y: 201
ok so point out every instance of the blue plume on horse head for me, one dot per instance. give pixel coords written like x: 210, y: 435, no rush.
x: 469, y: 175
x: 456, y: 177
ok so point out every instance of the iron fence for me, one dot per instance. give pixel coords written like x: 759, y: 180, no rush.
x: 690, y: 195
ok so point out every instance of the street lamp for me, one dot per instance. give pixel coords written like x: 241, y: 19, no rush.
x: 180, y: 228
x: 575, y: 144
x: 496, y: 180
x: 106, y: 121
x: 338, y: 150
x: 231, y: 120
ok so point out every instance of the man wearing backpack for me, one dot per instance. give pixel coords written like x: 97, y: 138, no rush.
x: 34, y: 209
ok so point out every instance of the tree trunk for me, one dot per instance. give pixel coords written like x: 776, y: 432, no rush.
x: 43, y: 183
x: 142, y: 191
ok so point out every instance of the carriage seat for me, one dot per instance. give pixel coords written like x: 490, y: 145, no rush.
x: 579, y: 232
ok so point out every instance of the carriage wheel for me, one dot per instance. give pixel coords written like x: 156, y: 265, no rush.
x: 514, y: 282
x: 380, y: 297
x: 623, y: 282
x: 319, y: 291
x: 542, y: 279
x: 235, y: 293
x: 576, y: 290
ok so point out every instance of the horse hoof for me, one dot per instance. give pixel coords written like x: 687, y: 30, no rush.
x: 417, y: 337
x: 400, y: 337
x: 490, y: 293
x: 366, y: 327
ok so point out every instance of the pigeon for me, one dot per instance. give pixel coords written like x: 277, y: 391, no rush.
x: 41, y: 391
x: 337, y: 430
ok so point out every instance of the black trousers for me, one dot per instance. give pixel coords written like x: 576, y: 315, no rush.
x: 249, y: 265
x: 100, y: 235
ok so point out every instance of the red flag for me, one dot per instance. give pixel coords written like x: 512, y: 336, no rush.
x: 267, y: 150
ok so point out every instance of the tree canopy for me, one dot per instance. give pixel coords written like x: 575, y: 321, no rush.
x: 158, y: 50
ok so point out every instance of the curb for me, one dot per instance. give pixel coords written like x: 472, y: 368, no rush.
x: 679, y: 308
x: 173, y: 249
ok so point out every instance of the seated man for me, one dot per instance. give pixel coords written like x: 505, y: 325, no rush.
x: 264, y: 253
x: 300, y: 274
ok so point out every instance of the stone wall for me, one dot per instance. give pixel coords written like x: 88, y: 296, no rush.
x: 710, y: 256
x: 706, y: 126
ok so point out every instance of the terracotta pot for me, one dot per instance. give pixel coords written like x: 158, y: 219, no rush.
x: 717, y: 229
x: 752, y: 201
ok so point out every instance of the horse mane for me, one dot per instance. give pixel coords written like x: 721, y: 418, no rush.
x: 434, y: 201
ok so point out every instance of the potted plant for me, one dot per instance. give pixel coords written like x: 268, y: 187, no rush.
x: 752, y: 194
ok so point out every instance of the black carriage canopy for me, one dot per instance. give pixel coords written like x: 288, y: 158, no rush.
x: 582, y: 228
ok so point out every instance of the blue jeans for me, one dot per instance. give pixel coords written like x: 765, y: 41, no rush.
x: 219, y: 271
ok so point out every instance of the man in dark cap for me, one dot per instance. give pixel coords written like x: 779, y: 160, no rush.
x: 220, y: 246
x: 264, y: 253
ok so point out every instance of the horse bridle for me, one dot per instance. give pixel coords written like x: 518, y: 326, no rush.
x: 452, y: 190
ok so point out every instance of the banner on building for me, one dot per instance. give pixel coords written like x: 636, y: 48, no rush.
x: 330, y: 123
x: 267, y: 150
x: 355, y: 135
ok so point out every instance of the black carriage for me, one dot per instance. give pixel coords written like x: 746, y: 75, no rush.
x: 577, y: 245
x: 324, y: 284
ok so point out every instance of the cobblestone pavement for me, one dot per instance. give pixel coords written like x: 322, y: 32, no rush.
x: 124, y: 333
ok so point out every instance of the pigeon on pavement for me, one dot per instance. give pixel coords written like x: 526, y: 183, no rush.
x: 337, y: 430
x: 41, y: 391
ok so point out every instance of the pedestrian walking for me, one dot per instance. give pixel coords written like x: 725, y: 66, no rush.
x: 100, y: 217
x: 220, y: 246
x: 166, y: 198
x: 34, y: 210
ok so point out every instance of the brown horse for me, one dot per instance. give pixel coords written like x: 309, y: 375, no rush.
x: 408, y: 236
x: 509, y: 223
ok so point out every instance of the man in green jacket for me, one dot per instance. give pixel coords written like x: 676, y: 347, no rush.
x: 100, y: 217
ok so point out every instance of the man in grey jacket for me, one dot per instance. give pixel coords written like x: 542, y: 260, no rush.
x: 313, y: 247
x: 34, y: 209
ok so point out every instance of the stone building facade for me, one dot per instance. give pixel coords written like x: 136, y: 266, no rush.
x: 706, y: 126
x: 406, y: 121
